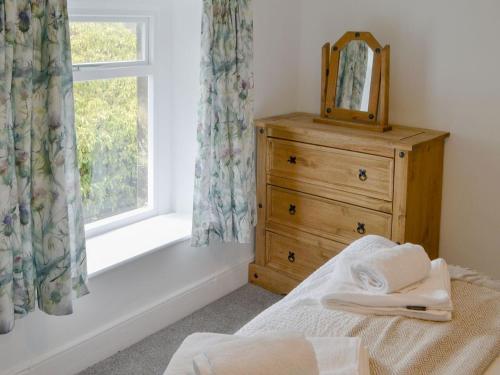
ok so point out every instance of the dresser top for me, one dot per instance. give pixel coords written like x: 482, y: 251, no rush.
x: 301, y: 127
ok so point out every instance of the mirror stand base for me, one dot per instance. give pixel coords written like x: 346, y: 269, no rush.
x: 376, y: 127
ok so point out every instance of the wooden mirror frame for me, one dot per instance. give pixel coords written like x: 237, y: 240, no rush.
x: 376, y: 118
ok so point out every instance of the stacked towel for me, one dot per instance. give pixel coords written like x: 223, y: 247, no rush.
x: 276, y: 354
x: 358, y: 273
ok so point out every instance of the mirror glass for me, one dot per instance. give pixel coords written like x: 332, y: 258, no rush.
x: 354, y: 76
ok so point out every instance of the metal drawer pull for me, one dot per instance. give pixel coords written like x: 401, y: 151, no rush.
x: 361, y: 228
x: 292, y: 209
x: 291, y: 256
x: 292, y: 160
x: 362, y: 175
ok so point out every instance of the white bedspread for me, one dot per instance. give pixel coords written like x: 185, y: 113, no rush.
x: 467, y: 345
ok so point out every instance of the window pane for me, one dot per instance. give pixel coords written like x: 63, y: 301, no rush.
x: 99, y: 42
x: 111, y: 122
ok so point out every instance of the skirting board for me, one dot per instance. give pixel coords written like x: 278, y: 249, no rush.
x: 100, y: 344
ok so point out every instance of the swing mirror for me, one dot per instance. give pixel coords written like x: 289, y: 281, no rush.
x: 355, y: 75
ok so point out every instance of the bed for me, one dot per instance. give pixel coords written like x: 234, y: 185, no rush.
x: 468, y: 345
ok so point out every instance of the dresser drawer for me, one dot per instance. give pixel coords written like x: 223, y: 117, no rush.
x: 299, y: 257
x: 327, y: 218
x: 363, y: 174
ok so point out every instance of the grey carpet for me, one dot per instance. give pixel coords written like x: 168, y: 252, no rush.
x: 151, y: 355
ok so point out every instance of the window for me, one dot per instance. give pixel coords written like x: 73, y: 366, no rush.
x: 117, y: 42
x: 112, y: 89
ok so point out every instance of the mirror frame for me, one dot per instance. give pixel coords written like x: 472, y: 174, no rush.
x: 330, y: 110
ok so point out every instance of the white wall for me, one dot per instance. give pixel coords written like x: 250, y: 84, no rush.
x: 136, y: 299
x: 125, y: 305
x: 276, y: 32
x: 444, y: 75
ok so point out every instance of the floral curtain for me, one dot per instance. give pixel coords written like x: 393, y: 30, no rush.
x: 42, y: 244
x: 224, y: 198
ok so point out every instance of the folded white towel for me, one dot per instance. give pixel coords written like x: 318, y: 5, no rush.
x: 389, y: 269
x: 270, y: 353
x: 340, y: 355
x: 430, y: 299
x: 292, y: 355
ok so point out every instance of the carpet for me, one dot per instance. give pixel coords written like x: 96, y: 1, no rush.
x: 151, y: 355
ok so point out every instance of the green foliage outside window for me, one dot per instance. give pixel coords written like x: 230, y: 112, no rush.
x: 111, y: 123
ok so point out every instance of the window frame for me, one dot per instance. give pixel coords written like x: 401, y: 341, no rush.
x: 121, y: 69
x: 146, y: 48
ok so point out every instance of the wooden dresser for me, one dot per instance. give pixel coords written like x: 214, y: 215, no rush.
x: 320, y: 187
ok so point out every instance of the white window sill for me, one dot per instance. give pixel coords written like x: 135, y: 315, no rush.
x: 122, y: 245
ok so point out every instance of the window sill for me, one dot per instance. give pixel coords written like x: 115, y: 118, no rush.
x: 125, y: 244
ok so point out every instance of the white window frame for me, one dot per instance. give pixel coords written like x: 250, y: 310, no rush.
x: 119, y: 69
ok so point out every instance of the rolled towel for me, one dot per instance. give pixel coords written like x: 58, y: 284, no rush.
x: 277, y: 353
x: 390, y: 269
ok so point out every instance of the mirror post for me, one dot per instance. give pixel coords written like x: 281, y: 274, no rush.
x: 325, y: 65
x: 384, y: 87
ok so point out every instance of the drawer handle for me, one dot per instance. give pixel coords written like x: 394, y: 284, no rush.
x: 361, y: 228
x: 362, y: 175
x: 292, y: 209
x: 292, y: 160
x: 291, y: 256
